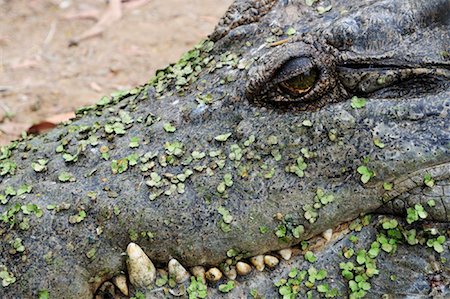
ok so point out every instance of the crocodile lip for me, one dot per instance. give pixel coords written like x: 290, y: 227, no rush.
x: 406, y: 183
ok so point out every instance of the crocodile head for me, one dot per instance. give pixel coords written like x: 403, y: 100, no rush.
x: 290, y: 120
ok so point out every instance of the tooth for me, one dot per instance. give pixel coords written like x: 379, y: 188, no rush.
x: 270, y: 261
x: 213, y: 274
x: 178, y: 292
x: 199, y: 271
x: 231, y: 273
x: 286, y: 254
x: 243, y: 268
x: 141, y: 270
x: 258, y: 262
x: 177, y: 271
x: 120, y: 281
x: 327, y: 234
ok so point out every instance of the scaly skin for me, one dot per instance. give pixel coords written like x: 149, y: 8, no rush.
x: 394, y: 53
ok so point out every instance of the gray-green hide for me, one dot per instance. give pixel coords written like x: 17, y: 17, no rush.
x: 214, y: 154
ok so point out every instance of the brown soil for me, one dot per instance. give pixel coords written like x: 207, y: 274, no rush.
x: 40, y: 76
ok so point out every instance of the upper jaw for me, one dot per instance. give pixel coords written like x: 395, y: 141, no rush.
x: 285, y: 193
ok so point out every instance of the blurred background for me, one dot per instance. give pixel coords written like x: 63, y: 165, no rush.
x: 57, y: 55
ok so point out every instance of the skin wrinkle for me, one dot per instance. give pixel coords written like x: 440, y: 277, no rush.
x: 442, y: 198
x: 445, y: 208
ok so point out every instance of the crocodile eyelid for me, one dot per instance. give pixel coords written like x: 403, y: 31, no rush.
x: 276, y: 67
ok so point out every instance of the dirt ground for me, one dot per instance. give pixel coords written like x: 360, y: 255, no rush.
x: 42, y: 77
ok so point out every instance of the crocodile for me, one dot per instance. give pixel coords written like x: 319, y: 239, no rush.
x: 320, y: 128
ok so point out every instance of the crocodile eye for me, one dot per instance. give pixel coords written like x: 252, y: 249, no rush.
x: 290, y: 78
x: 297, y: 77
x: 300, y: 84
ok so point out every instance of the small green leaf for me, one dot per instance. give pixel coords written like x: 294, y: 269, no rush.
x: 134, y: 142
x: 290, y: 31
x: 40, y: 165
x: 366, y: 174
x: 24, y: 189
x: 119, y: 166
x: 226, y: 216
x: 228, y: 179
x: 298, y: 231
x: 411, y: 215
x: 390, y: 223
x: 324, y: 9
x: 310, y: 257
x: 378, y: 143
x: 162, y: 280
x: 263, y: 229
x: 168, y: 127
x: 358, y: 103
x: 104, y: 101
x: 361, y: 257
x: 198, y: 155
x: 43, y: 294
x: 348, y: 252
x: 104, y: 150
x: 225, y: 288
x: 91, y: 253
x: 281, y: 230
x: 388, y: 186
x: 323, y: 288
x: 428, y: 180
x: 221, y: 187
x: 223, y: 137
x: 307, y: 123
x: 66, y: 177
x: 293, y: 273
x: 78, y: 217
x: 272, y: 140
x: 421, y: 211
x: 232, y: 252
x: 70, y: 158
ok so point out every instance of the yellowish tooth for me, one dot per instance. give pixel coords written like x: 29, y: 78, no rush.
x: 243, y: 268
x: 199, y: 271
x: 258, y: 262
x: 327, y: 234
x: 286, y: 254
x: 141, y: 270
x: 213, y: 274
x: 176, y: 292
x: 120, y: 281
x: 271, y: 261
x: 231, y: 273
x: 177, y: 271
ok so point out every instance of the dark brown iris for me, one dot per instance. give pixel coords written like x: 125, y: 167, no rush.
x: 301, y: 84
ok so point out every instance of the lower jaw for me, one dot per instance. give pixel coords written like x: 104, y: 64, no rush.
x: 230, y: 269
x: 217, y: 275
